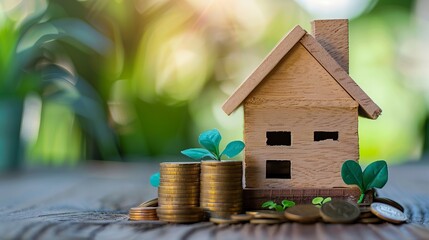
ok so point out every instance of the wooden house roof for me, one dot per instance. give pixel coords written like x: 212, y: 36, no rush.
x: 367, y: 107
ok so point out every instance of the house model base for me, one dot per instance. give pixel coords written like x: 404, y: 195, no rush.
x: 301, y: 111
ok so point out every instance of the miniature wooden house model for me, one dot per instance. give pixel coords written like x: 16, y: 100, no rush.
x: 301, y: 111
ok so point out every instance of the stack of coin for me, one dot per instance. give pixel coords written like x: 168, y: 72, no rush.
x: 221, y: 188
x: 179, y: 190
x: 143, y: 213
x: 366, y: 216
x: 174, y: 214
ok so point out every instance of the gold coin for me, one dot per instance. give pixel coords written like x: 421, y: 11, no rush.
x: 178, y: 212
x: 388, y: 212
x: 194, y: 187
x: 233, y: 195
x: 175, y: 171
x: 149, y: 203
x: 179, y: 201
x: 179, y: 180
x: 218, y: 214
x: 178, y: 195
x: 241, y: 217
x: 339, y: 211
x: 370, y: 220
x: 179, y: 218
x: 266, y: 221
x: 234, y: 180
x: 180, y: 176
x: 222, y: 163
x: 179, y: 185
x: 223, y: 220
x: 143, y: 219
x: 305, y: 213
x: 273, y: 215
x: 254, y: 212
x: 220, y: 201
x: 221, y: 185
x: 179, y: 164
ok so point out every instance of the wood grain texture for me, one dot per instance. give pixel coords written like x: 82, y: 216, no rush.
x: 368, y: 108
x: 333, y: 35
x: 91, y: 202
x: 263, y: 69
x: 313, y: 164
x: 299, y: 76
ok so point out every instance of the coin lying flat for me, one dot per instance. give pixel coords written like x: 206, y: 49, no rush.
x: 266, y: 221
x: 304, y: 213
x: 241, y: 217
x: 390, y: 202
x: 219, y: 220
x: 388, y: 213
x: 339, y: 211
x: 270, y: 215
x: 370, y: 220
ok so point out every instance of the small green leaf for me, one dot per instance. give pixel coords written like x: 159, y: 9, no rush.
x: 375, y: 175
x: 233, y: 149
x: 328, y: 199
x: 287, y: 203
x: 155, y: 179
x: 351, y: 172
x: 210, y: 140
x: 198, y: 153
x: 279, y: 208
x: 267, y: 204
x: 317, y: 200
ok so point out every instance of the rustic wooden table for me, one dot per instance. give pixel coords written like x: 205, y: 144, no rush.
x: 91, y: 202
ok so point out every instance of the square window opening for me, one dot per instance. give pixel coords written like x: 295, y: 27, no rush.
x: 322, y: 136
x: 278, y: 169
x: 279, y: 138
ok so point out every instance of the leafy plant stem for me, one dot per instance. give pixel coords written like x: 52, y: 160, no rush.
x: 362, y: 196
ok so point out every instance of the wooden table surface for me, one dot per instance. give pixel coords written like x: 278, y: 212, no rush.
x: 91, y: 202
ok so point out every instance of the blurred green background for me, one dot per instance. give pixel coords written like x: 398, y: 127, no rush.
x: 131, y: 80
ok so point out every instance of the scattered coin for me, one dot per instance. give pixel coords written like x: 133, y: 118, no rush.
x: 218, y: 220
x: 266, y: 221
x: 390, y: 202
x: 339, y: 211
x: 370, y: 220
x: 270, y: 215
x: 304, y: 213
x: 241, y: 217
x: 388, y: 212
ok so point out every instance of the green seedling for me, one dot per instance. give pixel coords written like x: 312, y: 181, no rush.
x: 374, y: 176
x: 319, y: 201
x: 278, y: 207
x: 210, y: 140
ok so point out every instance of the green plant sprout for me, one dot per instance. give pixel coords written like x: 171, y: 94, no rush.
x: 374, y: 176
x: 319, y: 201
x: 274, y: 206
x: 210, y: 140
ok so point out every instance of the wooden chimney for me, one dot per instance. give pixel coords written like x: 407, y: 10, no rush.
x: 333, y: 35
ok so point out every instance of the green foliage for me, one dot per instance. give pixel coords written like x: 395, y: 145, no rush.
x: 210, y: 140
x: 319, y: 201
x: 278, y: 207
x: 374, y: 176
